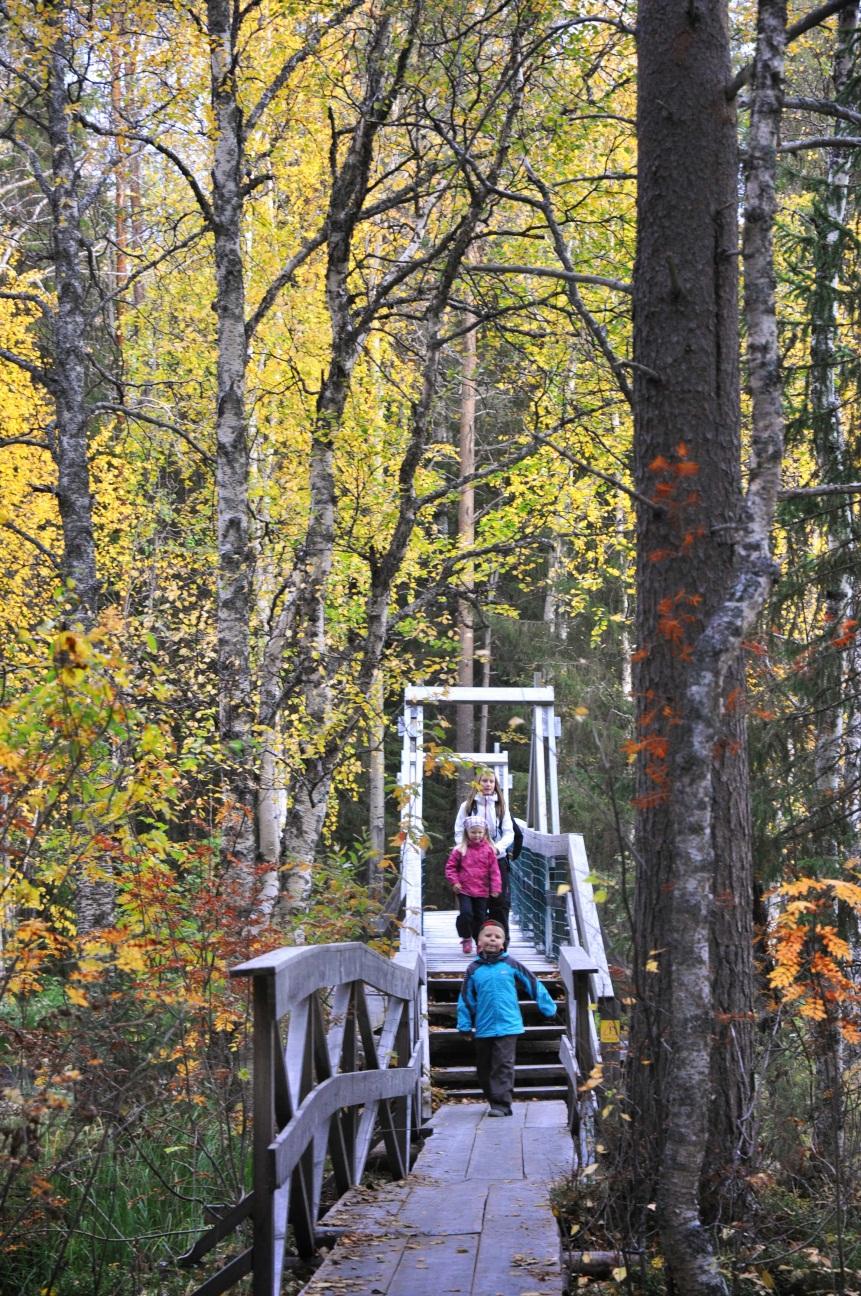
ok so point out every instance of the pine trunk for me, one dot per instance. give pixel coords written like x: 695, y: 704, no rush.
x: 687, y: 461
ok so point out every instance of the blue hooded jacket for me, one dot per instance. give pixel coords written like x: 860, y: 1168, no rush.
x: 488, y: 1004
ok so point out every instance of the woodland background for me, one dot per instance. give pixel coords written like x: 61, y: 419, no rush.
x: 320, y: 378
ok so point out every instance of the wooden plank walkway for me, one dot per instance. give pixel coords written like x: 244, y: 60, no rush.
x: 472, y: 1219
x: 443, y: 952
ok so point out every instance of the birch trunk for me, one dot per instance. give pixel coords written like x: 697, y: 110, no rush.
x: 690, y: 1259
x: 234, y: 584
x: 377, y: 781
x: 309, y: 791
x: 465, y: 715
x: 837, y: 718
x: 69, y: 367
x: 311, y: 780
x: 94, y: 888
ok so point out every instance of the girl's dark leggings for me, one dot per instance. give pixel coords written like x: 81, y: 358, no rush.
x: 473, y: 911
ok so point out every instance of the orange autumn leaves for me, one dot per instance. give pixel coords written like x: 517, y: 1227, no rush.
x: 673, y: 494
x: 811, y: 960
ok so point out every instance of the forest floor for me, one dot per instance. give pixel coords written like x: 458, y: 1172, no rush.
x: 797, y: 1242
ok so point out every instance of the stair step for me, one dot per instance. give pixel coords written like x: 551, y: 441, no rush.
x: 543, y: 1093
x: 441, y: 1014
x: 523, y: 1073
x: 549, y: 1031
x: 444, y: 1045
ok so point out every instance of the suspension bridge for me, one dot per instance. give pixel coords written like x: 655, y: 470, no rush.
x: 371, y: 1142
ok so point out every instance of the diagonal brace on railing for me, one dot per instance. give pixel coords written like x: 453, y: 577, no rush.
x: 306, y: 1090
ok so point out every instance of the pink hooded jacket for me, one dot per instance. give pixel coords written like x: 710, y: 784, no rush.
x: 475, y: 870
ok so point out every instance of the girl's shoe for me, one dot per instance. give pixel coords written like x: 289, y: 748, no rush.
x: 466, y: 946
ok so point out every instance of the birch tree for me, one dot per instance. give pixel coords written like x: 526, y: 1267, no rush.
x: 433, y: 257
x: 836, y: 742
x: 39, y: 75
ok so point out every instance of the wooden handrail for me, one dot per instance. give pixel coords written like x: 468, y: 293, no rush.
x: 353, y: 1041
x: 300, y: 971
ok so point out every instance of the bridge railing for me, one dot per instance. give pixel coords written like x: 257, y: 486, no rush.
x: 553, y: 900
x: 337, y: 1063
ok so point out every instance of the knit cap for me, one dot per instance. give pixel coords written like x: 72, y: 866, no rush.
x: 491, y: 922
x: 473, y: 821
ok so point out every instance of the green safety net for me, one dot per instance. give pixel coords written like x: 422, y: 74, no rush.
x: 537, y: 903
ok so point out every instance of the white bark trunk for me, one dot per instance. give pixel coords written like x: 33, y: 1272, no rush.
x: 377, y: 779
x: 465, y: 715
x: 69, y: 367
x: 835, y: 753
x: 234, y: 584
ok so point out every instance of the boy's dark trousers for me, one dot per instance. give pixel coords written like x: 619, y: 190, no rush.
x: 494, y: 1062
x: 473, y: 911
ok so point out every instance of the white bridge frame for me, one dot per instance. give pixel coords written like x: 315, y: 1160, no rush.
x: 542, y: 791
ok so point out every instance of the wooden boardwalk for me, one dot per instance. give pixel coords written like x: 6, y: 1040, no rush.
x: 472, y: 1219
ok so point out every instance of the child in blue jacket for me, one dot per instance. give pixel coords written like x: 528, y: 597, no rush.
x: 489, y: 1011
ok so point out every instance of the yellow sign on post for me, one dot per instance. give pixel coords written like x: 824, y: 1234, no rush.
x: 611, y: 1030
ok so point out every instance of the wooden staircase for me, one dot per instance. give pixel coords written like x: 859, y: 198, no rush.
x: 539, y: 1072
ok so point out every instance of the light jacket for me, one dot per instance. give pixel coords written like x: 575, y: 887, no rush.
x: 475, y: 870
x: 488, y: 1004
x: 500, y: 831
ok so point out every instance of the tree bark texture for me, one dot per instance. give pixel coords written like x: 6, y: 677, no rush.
x: 234, y: 586
x: 694, y: 808
x: 465, y: 715
x: 377, y: 781
x: 687, y: 461
x: 94, y: 893
x: 837, y: 717
x: 69, y: 361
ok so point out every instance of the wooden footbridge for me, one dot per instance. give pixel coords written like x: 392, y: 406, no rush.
x: 353, y: 1052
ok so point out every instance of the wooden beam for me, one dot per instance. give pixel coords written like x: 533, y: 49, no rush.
x: 455, y: 694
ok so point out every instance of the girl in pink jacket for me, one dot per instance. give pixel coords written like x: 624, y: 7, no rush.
x: 473, y: 870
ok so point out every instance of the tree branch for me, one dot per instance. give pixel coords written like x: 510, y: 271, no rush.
x: 37, y: 544
x: 825, y: 107
x: 182, y: 167
x: 281, y: 280
x: 813, y: 19
x: 821, y: 141
x: 550, y: 272
x: 599, y: 334
x: 283, y: 76
x: 809, y: 492
x: 35, y: 371
x: 108, y: 407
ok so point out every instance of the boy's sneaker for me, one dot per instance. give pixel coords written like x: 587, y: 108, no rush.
x: 496, y: 1110
x: 466, y: 946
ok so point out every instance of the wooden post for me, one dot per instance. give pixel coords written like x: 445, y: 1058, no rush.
x: 264, y: 1132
